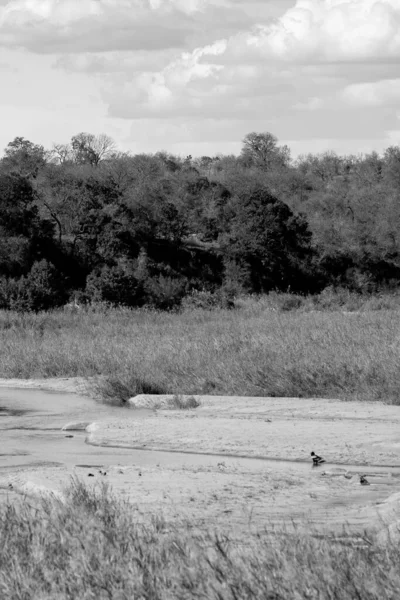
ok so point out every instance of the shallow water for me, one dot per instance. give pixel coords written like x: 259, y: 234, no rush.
x: 31, y: 435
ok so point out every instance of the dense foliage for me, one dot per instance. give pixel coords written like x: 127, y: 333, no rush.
x: 85, y: 221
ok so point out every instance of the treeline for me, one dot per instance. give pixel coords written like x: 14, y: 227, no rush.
x: 84, y: 220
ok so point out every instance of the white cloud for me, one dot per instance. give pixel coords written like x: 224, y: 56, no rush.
x: 375, y: 94
x: 313, y: 103
x: 64, y: 12
x: 321, y: 69
x: 332, y: 30
x: 232, y: 76
x: 47, y: 26
x: 185, y: 81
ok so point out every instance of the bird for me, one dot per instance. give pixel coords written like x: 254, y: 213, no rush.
x: 364, y: 481
x: 317, y: 460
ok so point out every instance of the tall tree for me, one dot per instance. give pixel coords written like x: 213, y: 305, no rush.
x: 262, y: 150
x: 268, y: 241
x: 24, y: 158
x: 91, y: 149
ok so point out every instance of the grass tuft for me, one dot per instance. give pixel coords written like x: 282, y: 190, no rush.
x: 183, y: 403
x: 96, y: 546
x: 117, y: 391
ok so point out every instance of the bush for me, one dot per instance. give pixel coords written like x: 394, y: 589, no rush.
x: 287, y: 302
x: 338, y: 299
x: 116, y: 391
x: 41, y: 289
x: 165, y: 293
x: 114, y: 285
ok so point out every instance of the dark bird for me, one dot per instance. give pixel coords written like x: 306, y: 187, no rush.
x: 317, y: 460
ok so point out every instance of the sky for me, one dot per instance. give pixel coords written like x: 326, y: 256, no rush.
x: 195, y: 76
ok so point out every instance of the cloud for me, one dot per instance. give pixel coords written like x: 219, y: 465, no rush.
x: 332, y: 30
x: 313, y: 103
x: 50, y: 26
x: 318, y: 68
x: 198, y: 84
x: 256, y: 69
x: 374, y: 94
x: 126, y: 63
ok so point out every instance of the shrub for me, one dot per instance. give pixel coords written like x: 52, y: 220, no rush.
x: 287, y: 302
x: 165, y: 293
x: 41, y: 289
x: 114, y: 285
x: 116, y: 391
x: 184, y: 402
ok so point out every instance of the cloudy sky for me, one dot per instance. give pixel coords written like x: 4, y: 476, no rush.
x: 194, y: 76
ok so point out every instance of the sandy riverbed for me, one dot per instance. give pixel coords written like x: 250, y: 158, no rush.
x: 215, y: 488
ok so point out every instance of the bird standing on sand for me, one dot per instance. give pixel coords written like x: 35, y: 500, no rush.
x: 364, y: 481
x: 317, y: 460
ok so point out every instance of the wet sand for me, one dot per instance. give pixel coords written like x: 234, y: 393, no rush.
x: 187, y: 464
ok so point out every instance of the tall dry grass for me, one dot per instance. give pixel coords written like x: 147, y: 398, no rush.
x: 261, y: 348
x: 94, y: 547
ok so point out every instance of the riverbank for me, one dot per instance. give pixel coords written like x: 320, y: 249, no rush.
x: 225, y: 463
x: 253, y: 350
x: 72, y: 385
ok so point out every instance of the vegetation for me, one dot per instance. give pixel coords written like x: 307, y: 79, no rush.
x: 249, y: 275
x: 337, y: 345
x: 94, y: 546
x: 83, y: 221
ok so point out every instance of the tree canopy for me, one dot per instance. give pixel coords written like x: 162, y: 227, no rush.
x: 85, y: 220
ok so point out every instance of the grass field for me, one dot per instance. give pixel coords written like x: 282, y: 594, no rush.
x: 94, y: 547
x: 276, y: 346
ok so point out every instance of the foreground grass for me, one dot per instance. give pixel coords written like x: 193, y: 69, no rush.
x: 276, y: 346
x: 93, y: 547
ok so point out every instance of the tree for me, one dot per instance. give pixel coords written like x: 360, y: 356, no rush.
x: 391, y: 166
x: 24, y: 235
x: 62, y: 153
x: 24, y: 158
x: 262, y: 150
x: 267, y: 241
x: 91, y: 149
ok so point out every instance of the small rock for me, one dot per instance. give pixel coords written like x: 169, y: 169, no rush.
x: 90, y: 475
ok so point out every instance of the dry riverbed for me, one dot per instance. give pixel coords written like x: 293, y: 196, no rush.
x: 234, y: 463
